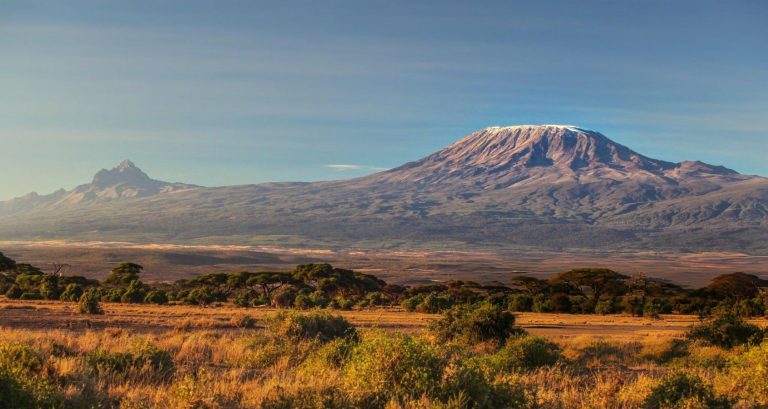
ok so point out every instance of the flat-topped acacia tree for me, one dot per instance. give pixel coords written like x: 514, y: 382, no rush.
x: 124, y: 274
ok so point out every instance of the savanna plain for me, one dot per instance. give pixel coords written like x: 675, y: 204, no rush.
x: 221, y: 356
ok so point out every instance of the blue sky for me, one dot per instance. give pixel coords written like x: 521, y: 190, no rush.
x: 232, y: 92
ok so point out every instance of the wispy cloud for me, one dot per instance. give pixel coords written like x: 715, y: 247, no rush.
x: 344, y: 167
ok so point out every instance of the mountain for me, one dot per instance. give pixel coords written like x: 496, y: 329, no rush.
x: 125, y: 181
x: 549, y: 186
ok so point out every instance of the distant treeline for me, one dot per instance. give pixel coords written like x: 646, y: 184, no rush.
x: 584, y: 290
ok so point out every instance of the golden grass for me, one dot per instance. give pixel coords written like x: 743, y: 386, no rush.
x: 607, y: 361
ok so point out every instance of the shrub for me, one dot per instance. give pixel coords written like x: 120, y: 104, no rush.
x: 73, y: 292
x: 143, y: 359
x: 561, y: 302
x: 520, y: 303
x: 18, y: 391
x: 31, y: 296
x: 134, y: 294
x: 156, y: 297
x: 524, y: 352
x: 727, y: 331
x: 317, y: 325
x: 468, y: 386
x: 319, y: 299
x: 342, y: 303
x: 19, y: 358
x: 434, y: 304
x: 14, y: 292
x: 681, y: 390
x: 303, y: 302
x: 89, y: 303
x: 284, y: 297
x: 605, y: 307
x: 113, y: 295
x: 49, y: 289
x: 13, y: 394
x: 748, y: 374
x: 476, y: 323
x: 383, y: 367
x: 410, y: 304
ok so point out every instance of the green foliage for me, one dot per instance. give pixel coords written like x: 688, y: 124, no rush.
x: 156, y: 297
x: 143, y: 358
x: 124, y: 274
x: 383, y: 367
x: 605, y: 307
x: 135, y: 293
x: 680, y: 390
x: 284, y: 297
x: 524, y: 352
x: 750, y: 372
x: 434, y: 304
x: 727, y: 331
x: 321, y: 326
x: 89, y: 302
x: 470, y: 387
x: 73, y: 292
x: 14, y: 292
x: 49, y: 289
x: 520, y: 303
x: 476, y: 323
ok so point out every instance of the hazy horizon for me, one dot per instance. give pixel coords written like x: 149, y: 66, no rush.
x: 240, y: 93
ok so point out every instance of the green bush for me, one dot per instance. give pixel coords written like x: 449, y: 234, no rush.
x: 520, y: 303
x: 134, y: 294
x: 156, y: 297
x: 303, y: 302
x: 605, y: 307
x: 680, y: 390
x: 30, y: 296
x: 471, y: 387
x: 143, y: 359
x: 19, y: 391
x: 89, y: 302
x: 13, y: 393
x: 750, y: 372
x: 476, y: 323
x: 14, y: 292
x: 342, y: 303
x: 433, y: 304
x: 317, y: 325
x: 21, y: 381
x: 384, y: 367
x: 73, y: 292
x: 410, y: 304
x: 727, y: 331
x: 524, y: 352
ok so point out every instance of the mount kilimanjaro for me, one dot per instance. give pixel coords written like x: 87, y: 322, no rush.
x: 549, y: 187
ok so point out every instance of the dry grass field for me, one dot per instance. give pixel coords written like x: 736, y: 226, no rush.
x: 148, y: 318
x: 173, y: 357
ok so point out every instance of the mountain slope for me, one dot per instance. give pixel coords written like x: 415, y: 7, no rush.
x: 540, y: 186
x: 125, y: 181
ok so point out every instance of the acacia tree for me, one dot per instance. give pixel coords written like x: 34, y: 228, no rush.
x: 737, y: 286
x: 599, y: 281
x: 124, y: 274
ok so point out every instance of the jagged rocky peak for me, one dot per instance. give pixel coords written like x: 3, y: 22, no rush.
x: 125, y: 172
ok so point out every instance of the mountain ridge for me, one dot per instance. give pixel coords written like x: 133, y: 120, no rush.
x: 551, y: 186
